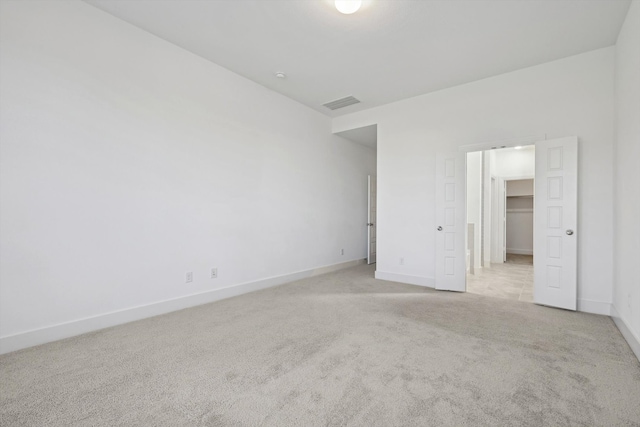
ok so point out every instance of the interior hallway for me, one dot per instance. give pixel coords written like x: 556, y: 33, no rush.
x: 512, y: 280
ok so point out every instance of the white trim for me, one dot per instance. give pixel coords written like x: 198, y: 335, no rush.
x: 517, y: 178
x: 632, y: 338
x: 594, y: 307
x: 77, y: 327
x: 428, y: 282
x: 520, y: 251
x: 505, y: 143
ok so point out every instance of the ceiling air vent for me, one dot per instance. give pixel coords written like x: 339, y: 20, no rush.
x: 341, y: 103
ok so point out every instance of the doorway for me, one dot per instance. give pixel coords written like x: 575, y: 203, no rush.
x: 555, y: 219
x: 500, y: 220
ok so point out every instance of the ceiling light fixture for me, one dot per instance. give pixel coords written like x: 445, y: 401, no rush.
x: 281, y: 75
x: 348, y: 6
x: 519, y: 147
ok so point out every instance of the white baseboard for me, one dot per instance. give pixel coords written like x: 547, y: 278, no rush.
x: 77, y: 327
x: 520, y: 251
x: 632, y: 338
x: 595, y: 307
x: 428, y: 282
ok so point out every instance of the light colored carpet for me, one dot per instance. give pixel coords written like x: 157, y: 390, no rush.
x: 338, y: 349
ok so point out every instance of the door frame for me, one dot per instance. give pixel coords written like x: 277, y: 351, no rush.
x: 503, y: 223
x: 372, y: 183
x: 487, y: 146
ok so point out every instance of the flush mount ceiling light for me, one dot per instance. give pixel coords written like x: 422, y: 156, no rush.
x: 281, y: 75
x: 519, y: 147
x: 348, y: 6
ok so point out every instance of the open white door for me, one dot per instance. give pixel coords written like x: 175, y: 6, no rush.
x: 371, y: 225
x: 555, y: 226
x: 450, y: 222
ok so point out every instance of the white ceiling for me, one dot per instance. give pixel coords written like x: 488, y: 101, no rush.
x: 387, y: 51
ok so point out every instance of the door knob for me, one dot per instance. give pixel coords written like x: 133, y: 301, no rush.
x: 569, y: 232
x: 439, y: 228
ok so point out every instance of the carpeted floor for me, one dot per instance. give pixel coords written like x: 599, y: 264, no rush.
x: 337, y: 349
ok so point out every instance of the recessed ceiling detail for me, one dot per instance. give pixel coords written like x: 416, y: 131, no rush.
x: 341, y: 103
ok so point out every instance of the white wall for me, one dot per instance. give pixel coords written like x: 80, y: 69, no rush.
x: 510, y: 163
x: 626, y: 296
x: 127, y: 161
x: 572, y: 96
x: 474, y: 197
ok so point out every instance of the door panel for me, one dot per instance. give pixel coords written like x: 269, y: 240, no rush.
x: 451, y: 222
x: 555, y: 228
x: 371, y: 225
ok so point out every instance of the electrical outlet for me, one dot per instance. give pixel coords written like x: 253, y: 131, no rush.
x: 402, y: 261
x: 341, y: 251
x: 189, y: 277
x: 214, y: 273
